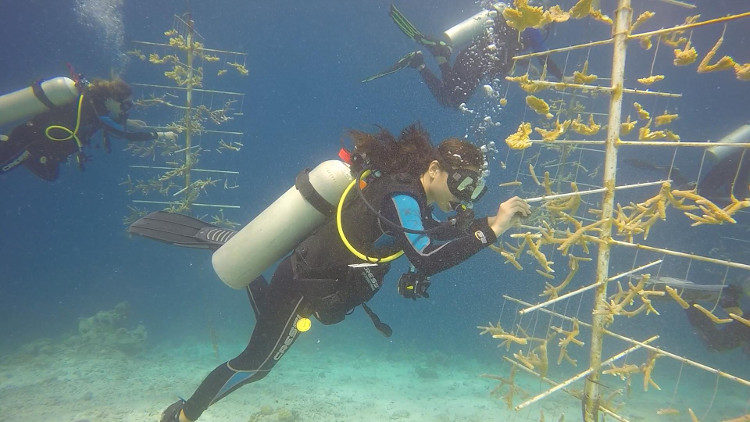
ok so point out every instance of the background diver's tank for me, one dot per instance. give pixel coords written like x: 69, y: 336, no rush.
x: 281, y: 226
x: 739, y: 135
x: 465, y: 31
x: 24, y: 103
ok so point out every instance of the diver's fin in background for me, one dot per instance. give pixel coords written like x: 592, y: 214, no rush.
x: 404, y: 25
x: 401, y: 63
x: 181, y: 230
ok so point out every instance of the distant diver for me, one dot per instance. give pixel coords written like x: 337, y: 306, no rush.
x: 64, y: 115
x: 729, y: 169
x: 730, y: 173
x: 339, y: 263
x: 729, y: 297
x: 678, y: 180
x: 490, y: 47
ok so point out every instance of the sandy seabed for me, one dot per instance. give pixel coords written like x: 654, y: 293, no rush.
x: 306, y: 385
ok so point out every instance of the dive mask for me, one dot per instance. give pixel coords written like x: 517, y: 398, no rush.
x: 466, y: 185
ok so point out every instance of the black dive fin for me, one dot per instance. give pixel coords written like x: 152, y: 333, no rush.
x: 402, y: 63
x: 181, y: 230
x: 404, y: 25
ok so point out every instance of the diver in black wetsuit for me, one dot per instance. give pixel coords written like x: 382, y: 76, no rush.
x: 488, y: 56
x: 730, y: 335
x: 48, y: 139
x: 476, y: 62
x: 323, y: 278
x: 729, y: 176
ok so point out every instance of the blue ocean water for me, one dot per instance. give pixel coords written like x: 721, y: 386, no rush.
x: 65, y: 253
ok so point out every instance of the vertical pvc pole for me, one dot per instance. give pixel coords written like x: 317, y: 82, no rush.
x: 189, y: 105
x: 591, y: 397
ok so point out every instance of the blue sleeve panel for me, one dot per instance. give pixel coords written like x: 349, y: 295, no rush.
x: 427, y: 256
x: 119, y: 131
x: 411, y: 217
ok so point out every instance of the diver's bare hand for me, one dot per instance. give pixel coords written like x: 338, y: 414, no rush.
x: 507, y: 214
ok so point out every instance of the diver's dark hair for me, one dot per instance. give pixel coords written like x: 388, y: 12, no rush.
x: 459, y: 153
x: 101, y: 89
x: 412, y: 151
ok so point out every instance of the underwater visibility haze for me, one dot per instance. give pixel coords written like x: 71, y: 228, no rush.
x: 232, y: 99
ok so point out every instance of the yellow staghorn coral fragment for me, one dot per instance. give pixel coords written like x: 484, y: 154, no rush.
x: 651, y: 79
x: 533, y: 175
x: 676, y: 296
x: 643, y: 114
x: 665, y: 119
x: 671, y: 135
x: 520, y: 139
x: 522, y: 16
x: 627, y: 126
x: 525, y: 83
x: 539, y: 106
x: 736, y: 205
x: 583, y: 77
x: 645, y: 133
x: 672, y: 41
x: 539, y: 255
x: 646, y: 43
x: 509, y: 257
x: 136, y: 53
x: 724, y: 63
x: 556, y: 14
x: 581, y: 9
x: 712, y: 214
x: 496, y: 331
x: 554, y: 291
x: 643, y: 17
x: 598, y: 15
x: 239, y: 68
x: 740, y: 319
x: 685, y: 56
x: 711, y: 316
x: 667, y: 411
x: 545, y: 275
x: 552, y: 135
x: 169, y: 58
x: 536, y: 358
x: 570, y: 336
x: 647, y: 369
x: 693, y: 418
x: 742, y: 71
x: 623, y: 372
x: 591, y: 129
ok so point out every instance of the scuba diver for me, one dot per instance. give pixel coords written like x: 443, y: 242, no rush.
x: 730, y: 174
x: 722, y: 337
x: 732, y: 334
x: 60, y: 129
x: 489, y: 54
x: 342, y: 264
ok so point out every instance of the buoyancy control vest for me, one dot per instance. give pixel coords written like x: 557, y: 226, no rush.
x: 324, y: 255
x: 333, y: 278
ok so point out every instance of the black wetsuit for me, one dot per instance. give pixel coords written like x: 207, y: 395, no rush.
x: 733, y: 171
x: 479, y: 60
x: 317, y: 279
x: 27, y: 144
x: 725, y: 337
